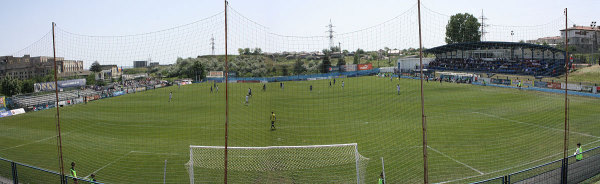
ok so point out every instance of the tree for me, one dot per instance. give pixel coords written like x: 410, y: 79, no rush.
x: 335, y: 49
x: 345, y: 52
x: 374, y: 55
x: 356, y: 58
x: 387, y: 51
x: 325, y: 64
x: 197, y: 71
x: 360, y: 51
x: 90, y: 79
x: 257, y: 51
x: 27, y: 86
x: 462, y: 28
x: 95, y: 67
x: 10, y: 86
x: 284, y: 70
x: 326, y: 51
x: 298, y: 68
x: 241, y: 51
x: 247, y: 51
x: 341, y: 61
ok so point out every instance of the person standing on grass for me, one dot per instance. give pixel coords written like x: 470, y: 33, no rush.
x: 210, y: 89
x: 217, y: 89
x: 273, y: 118
x: 264, y: 87
x: 578, y: 152
x: 329, y: 83
x: 381, y: 179
x: 311, y: 88
x: 73, y: 172
x: 249, y: 92
x: 342, y: 84
x: 398, y: 88
x: 246, y: 99
x: 170, y: 96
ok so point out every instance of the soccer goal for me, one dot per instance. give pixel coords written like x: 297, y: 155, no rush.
x: 335, y: 163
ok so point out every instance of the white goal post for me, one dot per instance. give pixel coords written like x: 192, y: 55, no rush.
x: 338, y: 163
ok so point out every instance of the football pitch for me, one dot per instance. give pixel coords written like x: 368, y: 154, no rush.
x: 474, y: 132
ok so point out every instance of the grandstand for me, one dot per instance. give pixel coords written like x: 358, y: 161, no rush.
x: 499, y: 57
x: 46, y: 100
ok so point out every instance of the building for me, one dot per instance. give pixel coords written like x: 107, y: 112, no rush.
x: 27, y: 67
x: 140, y: 64
x: 552, y: 40
x: 109, y: 72
x: 584, y: 38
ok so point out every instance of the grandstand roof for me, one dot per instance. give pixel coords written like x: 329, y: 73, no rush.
x: 488, y: 45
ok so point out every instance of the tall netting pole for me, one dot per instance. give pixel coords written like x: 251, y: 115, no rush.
x: 567, y: 60
x: 226, y: 97
x: 59, y: 141
x: 423, y: 120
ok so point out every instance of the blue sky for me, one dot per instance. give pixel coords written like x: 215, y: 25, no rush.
x: 26, y: 21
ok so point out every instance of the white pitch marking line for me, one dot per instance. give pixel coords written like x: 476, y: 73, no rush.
x: 109, y: 164
x: 480, y: 173
x: 449, y: 181
x: 531, y: 124
x: 44, y: 139
x: 145, y: 152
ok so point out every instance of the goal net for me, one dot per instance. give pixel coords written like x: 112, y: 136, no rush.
x: 337, y: 163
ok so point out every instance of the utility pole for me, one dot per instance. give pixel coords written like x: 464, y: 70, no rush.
x: 423, y: 117
x: 59, y: 138
x: 595, y: 44
x: 566, y: 131
x: 340, y: 48
x: 226, y: 97
x: 212, y: 44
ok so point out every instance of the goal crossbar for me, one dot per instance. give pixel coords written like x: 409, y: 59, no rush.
x: 351, y: 148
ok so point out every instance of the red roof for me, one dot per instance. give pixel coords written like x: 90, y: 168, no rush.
x: 587, y: 28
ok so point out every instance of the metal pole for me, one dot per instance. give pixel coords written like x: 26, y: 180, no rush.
x: 357, y: 158
x: 226, y: 96
x: 191, y: 166
x: 423, y: 117
x: 59, y: 141
x: 165, y: 173
x: 566, y: 137
x: 383, y: 169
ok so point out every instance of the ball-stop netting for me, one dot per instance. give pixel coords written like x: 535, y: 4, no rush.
x: 296, y: 101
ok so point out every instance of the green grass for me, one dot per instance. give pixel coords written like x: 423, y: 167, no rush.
x: 471, y: 129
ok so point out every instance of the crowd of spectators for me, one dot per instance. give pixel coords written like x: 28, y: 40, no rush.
x: 498, y: 65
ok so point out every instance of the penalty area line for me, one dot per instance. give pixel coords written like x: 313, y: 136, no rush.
x: 520, y: 165
x: 468, y: 166
x: 531, y: 124
x: 123, y: 156
x: 41, y: 140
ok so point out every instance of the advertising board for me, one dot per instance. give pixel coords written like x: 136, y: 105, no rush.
x: 365, y: 66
